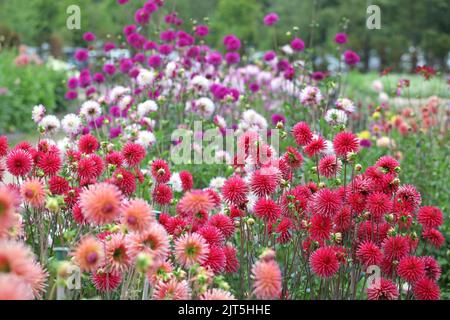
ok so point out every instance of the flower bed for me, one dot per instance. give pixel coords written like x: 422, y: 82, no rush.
x: 189, y: 174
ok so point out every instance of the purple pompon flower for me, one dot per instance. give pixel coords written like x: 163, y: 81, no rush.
x: 351, y: 58
x: 340, y: 38
x: 271, y: 19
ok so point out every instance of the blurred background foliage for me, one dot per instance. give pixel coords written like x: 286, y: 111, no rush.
x: 421, y: 28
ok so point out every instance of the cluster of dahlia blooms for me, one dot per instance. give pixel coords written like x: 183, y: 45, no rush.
x: 102, y: 213
x: 273, y: 229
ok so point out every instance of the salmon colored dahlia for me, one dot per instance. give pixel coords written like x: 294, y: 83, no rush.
x: 13, y: 287
x: 7, y: 208
x: 153, y: 241
x: 101, y: 203
x: 195, y: 201
x: 33, y: 193
x: 267, y: 279
x: 88, y: 254
x: 17, y: 259
x: 137, y: 215
x: 191, y: 249
x: 117, y: 253
x: 160, y: 271
x: 171, y: 290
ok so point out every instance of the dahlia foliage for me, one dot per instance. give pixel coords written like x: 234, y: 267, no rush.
x: 102, y: 212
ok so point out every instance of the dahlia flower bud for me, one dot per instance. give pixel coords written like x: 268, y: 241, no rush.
x: 119, y: 177
x: 395, y: 182
x: 338, y: 181
x: 250, y: 221
x: 336, y: 237
x: 143, y: 262
x: 161, y: 99
x: 224, y: 285
x: 284, y: 184
x: 237, y: 223
x: 392, y: 232
x: 351, y: 156
x: 280, y: 125
x: 267, y: 254
x: 306, y: 224
x: 358, y: 167
x: 179, y: 274
x: 283, y: 135
x: 52, y: 205
x: 63, y: 269
x: 322, y: 185
x: 389, y: 217
x: 398, y: 169
x: 295, y: 28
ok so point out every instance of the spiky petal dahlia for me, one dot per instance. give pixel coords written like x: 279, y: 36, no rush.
x: 191, y: 249
x: 267, y: 210
x: 106, y: 281
x: 265, y: 181
x: 302, y: 133
x: 430, y: 217
x: 369, y: 253
x: 194, y: 202
x: 411, y: 268
x: 13, y: 287
x: 324, y: 262
x: 117, y: 253
x: 160, y: 171
x: 133, y: 154
x: 325, y: 202
x: 101, y: 203
x: 345, y: 142
x: 17, y: 259
x: 33, y: 193
x: 267, y: 279
x: 382, y: 289
x: 88, y: 254
x: 426, y: 289
x: 171, y: 290
x: 18, y: 162
x: 153, y: 241
x: 137, y: 215
x: 235, y: 191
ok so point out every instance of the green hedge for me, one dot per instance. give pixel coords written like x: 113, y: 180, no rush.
x: 27, y: 86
